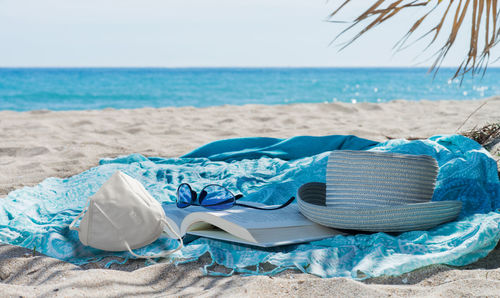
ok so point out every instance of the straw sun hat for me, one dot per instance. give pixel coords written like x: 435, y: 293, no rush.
x: 376, y: 192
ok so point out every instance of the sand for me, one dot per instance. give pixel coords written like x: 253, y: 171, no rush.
x: 40, y: 144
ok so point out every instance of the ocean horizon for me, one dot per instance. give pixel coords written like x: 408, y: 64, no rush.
x: 25, y: 89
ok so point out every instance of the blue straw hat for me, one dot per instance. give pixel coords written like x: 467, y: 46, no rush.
x: 376, y: 192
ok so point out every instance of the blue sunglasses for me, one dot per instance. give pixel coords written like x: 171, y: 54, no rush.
x: 215, y: 197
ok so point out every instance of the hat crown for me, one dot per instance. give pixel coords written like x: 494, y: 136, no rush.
x: 367, y: 179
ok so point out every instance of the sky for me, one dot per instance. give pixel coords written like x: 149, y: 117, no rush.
x: 197, y: 33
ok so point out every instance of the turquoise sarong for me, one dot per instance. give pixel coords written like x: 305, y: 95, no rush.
x: 270, y: 170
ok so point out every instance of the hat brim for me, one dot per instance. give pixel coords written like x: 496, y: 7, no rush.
x: 311, y: 199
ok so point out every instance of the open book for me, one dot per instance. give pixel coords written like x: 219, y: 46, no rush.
x: 263, y: 228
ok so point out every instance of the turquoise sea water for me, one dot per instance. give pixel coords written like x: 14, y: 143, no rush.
x: 98, y: 88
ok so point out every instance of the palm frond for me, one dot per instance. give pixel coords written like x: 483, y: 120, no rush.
x: 484, y: 21
x: 485, y: 134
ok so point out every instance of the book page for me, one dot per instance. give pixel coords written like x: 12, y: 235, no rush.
x: 288, y: 235
x: 258, y: 219
x: 246, y: 217
x: 263, y: 228
x: 194, y: 217
x: 272, y: 237
x: 175, y: 215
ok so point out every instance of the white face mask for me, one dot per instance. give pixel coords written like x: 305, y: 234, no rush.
x: 122, y: 215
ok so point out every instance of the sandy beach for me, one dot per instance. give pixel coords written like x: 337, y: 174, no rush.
x: 41, y: 144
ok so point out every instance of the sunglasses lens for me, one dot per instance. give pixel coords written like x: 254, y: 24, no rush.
x: 184, y: 198
x: 216, y: 197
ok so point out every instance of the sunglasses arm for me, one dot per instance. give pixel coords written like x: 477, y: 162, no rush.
x: 264, y: 208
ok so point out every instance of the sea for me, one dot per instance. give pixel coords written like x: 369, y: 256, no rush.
x: 25, y: 89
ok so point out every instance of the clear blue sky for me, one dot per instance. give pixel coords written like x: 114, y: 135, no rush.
x: 185, y: 33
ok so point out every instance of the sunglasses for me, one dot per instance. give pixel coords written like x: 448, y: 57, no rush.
x: 214, y: 197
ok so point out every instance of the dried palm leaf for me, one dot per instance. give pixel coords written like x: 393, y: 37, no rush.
x: 484, y: 15
x: 485, y: 134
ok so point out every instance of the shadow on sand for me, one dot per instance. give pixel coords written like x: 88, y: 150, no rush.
x: 19, y: 267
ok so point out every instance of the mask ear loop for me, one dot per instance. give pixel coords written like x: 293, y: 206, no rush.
x: 72, y: 224
x: 163, y: 254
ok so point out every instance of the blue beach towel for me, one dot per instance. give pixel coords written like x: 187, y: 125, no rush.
x: 270, y: 170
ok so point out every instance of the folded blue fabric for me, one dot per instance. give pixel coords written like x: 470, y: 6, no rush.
x: 270, y: 171
x: 286, y: 149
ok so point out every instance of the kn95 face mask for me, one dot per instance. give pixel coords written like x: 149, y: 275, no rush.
x: 122, y: 215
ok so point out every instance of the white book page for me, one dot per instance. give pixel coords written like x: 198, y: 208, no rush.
x: 245, y: 225
x: 175, y: 214
x: 261, y: 219
x: 194, y: 217
x: 246, y: 217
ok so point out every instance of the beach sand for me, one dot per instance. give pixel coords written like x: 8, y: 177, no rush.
x: 40, y: 144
